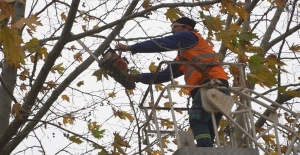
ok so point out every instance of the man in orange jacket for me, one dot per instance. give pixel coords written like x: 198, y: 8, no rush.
x: 191, y: 47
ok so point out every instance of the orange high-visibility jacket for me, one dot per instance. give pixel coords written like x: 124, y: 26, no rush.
x: 201, y: 52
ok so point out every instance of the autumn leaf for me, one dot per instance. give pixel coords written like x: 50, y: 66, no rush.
x: 258, y: 129
x: 243, y: 13
x: 99, y: 73
x: 295, y: 48
x: 42, y: 53
x: 93, y: 126
x: 132, y: 70
x: 84, y: 28
x: 284, y: 91
x: 229, y: 6
x: 98, y: 133
x: 73, y: 47
x: 14, y: 53
x: 68, y: 119
x: 158, y: 87
x: 80, y: 83
x: 24, y: 74
x: 235, y: 72
x: 289, y: 119
x: 260, y: 74
x: 212, y: 23
x: 51, y: 84
x: 121, y: 141
x: 6, y: 10
x: 112, y: 94
x: 63, y: 16
x: 273, y: 63
x: 174, y: 141
x: 78, y: 57
x: 16, y: 110
x: 280, y: 3
x: 247, y: 36
x: 33, y: 45
x: 166, y: 122
x: 23, y: 87
x: 167, y: 105
x: 293, y: 93
x: 130, y: 92
x: 165, y: 141
x: 96, y: 26
x: 75, y: 140
x: 156, y: 152
x: 255, y: 63
x: 179, y: 111
x: 284, y: 149
x: 31, y: 22
x: 269, y: 139
x: 183, y: 91
x: 65, y: 97
x: 59, y: 68
x: 103, y: 152
x: 263, y: 80
x: 150, y: 104
x: 146, y: 4
x: 124, y: 115
x: 118, y: 143
x: 173, y: 14
x: 152, y: 67
x: 206, y: 7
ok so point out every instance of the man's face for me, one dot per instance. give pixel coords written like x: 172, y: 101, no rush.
x: 177, y: 27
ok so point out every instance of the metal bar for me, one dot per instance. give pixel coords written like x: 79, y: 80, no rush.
x: 213, y: 118
x: 277, y: 139
x: 251, y: 125
x: 158, y: 132
x: 247, y: 134
x: 174, y: 118
x: 161, y: 131
x: 171, y: 74
x: 165, y: 108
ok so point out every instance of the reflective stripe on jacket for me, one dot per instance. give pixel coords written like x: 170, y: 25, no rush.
x: 201, y: 52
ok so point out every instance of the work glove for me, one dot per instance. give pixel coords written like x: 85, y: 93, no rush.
x: 132, y: 78
x: 122, y: 47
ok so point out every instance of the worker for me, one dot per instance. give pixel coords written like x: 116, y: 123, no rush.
x: 191, y: 47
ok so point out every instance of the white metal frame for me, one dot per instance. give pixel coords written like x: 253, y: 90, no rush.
x: 244, y: 105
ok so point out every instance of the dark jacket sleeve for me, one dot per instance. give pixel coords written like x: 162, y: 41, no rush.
x: 177, y: 41
x: 164, y: 75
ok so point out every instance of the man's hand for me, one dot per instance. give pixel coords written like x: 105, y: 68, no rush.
x: 122, y: 47
x: 133, y: 78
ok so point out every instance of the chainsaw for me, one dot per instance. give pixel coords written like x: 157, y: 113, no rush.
x: 115, y: 65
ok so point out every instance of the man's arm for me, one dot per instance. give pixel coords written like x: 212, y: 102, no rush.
x: 177, y: 41
x: 164, y: 75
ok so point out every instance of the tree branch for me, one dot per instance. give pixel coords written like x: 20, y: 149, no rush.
x: 270, y: 30
x: 223, y: 49
x: 36, y: 87
x: 7, y: 90
x: 141, y: 14
x: 281, y: 99
x: 281, y: 37
x: 83, y: 66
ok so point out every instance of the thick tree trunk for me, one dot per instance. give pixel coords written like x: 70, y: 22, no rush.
x: 9, y: 81
x: 9, y: 76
